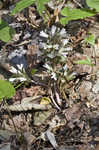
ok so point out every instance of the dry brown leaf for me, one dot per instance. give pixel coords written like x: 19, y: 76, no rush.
x: 32, y: 55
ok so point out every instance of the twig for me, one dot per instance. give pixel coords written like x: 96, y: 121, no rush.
x: 27, y: 104
x: 54, y: 101
x: 10, y: 115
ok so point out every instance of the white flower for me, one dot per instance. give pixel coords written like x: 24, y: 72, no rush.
x: 20, y: 67
x: 68, y: 48
x: 63, y: 32
x: 43, y: 34
x: 17, y: 71
x: 53, y: 76
x: 51, y: 4
x: 64, y: 54
x: 14, y: 70
x: 19, y: 78
x: 62, y: 49
x: 56, y: 46
x: 49, y: 46
x: 48, y: 67
x: 43, y: 45
x: 51, y: 55
x: 18, y: 53
x: 65, y: 67
x: 64, y: 41
x: 53, y: 29
x: 12, y: 79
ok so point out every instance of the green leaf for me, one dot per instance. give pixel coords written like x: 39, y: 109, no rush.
x: 86, y: 61
x: 33, y: 71
x: 21, y: 5
x: 6, y: 32
x: 66, y: 11
x: 75, y: 14
x: 6, y: 89
x: 93, y: 4
x: 41, y: 5
x: 90, y: 39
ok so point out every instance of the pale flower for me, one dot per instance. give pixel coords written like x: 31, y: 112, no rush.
x: 63, y: 32
x: 65, y: 42
x: 68, y: 48
x: 53, y: 76
x: 64, y: 54
x: 43, y: 34
x: 48, y: 67
x: 13, y: 70
x: 12, y: 79
x: 53, y: 29
x: 65, y: 67
x: 17, y: 71
x: 49, y: 46
x: 20, y: 67
x: 42, y: 45
x: 56, y: 46
x: 19, y: 78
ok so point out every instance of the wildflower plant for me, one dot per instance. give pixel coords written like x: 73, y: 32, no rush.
x: 19, y: 73
x: 55, y: 47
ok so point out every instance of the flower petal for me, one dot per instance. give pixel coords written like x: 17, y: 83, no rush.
x: 63, y: 32
x: 20, y: 67
x: 64, y: 41
x: 13, y: 70
x: 43, y: 34
x: 19, y: 78
x: 53, y: 76
x: 53, y: 29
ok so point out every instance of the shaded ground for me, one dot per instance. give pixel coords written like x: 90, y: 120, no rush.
x: 69, y: 119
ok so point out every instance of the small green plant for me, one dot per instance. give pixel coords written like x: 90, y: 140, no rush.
x: 74, y: 14
x: 26, y: 3
x: 21, y: 5
x: 41, y: 6
x: 55, y: 48
x: 6, y: 89
x: 19, y: 74
x: 6, y: 32
x: 90, y: 39
x: 93, y: 4
x: 86, y: 61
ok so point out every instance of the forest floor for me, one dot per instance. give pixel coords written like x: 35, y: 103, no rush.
x: 47, y: 112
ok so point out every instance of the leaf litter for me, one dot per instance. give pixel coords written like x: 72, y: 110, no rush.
x: 70, y: 121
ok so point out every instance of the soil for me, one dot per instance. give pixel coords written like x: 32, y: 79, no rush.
x: 43, y: 115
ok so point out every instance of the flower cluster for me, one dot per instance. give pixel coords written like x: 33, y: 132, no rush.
x: 19, y: 73
x: 55, y: 42
x: 55, y: 46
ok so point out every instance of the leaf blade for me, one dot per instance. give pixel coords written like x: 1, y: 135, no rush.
x: 93, y: 4
x: 6, y: 32
x: 41, y: 5
x: 90, y: 39
x: 86, y: 61
x: 21, y: 5
x: 75, y: 14
x: 6, y: 89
